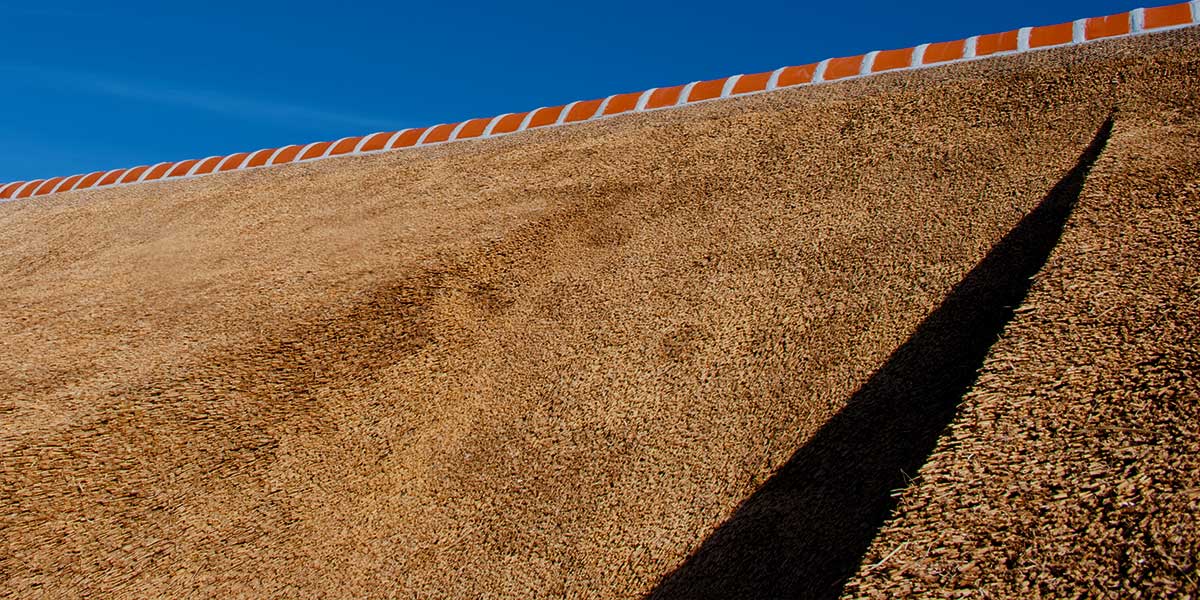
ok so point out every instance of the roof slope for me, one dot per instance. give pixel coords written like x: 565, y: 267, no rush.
x: 1074, y: 466
x: 538, y: 367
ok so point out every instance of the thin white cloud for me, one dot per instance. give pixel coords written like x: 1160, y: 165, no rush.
x: 46, y: 12
x: 241, y: 107
x: 42, y: 10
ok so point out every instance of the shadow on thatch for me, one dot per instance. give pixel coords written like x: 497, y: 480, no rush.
x: 805, y: 531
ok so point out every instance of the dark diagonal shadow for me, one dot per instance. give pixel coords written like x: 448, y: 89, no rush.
x: 805, y: 531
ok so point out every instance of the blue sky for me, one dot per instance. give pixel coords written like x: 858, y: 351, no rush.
x: 92, y: 85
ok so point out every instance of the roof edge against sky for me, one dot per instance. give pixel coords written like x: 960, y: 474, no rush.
x: 1025, y: 39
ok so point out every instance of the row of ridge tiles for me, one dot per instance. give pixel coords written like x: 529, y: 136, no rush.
x: 1021, y: 40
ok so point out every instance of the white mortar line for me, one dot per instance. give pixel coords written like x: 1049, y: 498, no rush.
x: 196, y: 167
x: 148, y: 171
x: 971, y: 48
x: 300, y: 154
x: 363, y: 142
x: 21, y: 190
x: 727, y: 89
x: 14, y: 185
x: 217, y: 169
x: 335, y: 145
x: 562, y: 116
x: 918, y: 56
x: 122, y: 176
x: 254, y: 154
x: 58, y: 186
x: 1078, y: 31
x: 34, y: 192
x: 528, y: 117
x: 683, y: 95
x: 773, y: 80
x: 80, y: 180
x: 868, y: 62
x: 819, y: 74
x: 643, y: 100
x: 603, y: 107
x: 1137, y: 20
x: 425, y: 134
x: 278, y: 151
x: 457, y: 129
x: 245, y: 161
x: 120, y: 173
x: 487, y: 131
x: 51, y: 190
x: 395, y: 136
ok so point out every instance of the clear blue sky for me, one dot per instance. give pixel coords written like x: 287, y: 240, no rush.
x: 91, y: 85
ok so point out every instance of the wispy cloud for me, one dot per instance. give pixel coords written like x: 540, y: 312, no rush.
x: 240, y: 107
x: 44, y: 11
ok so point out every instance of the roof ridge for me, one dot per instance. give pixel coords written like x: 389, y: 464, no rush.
x: 1134, y: 22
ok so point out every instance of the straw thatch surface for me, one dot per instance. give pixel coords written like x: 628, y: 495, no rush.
x: 552, y: 364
